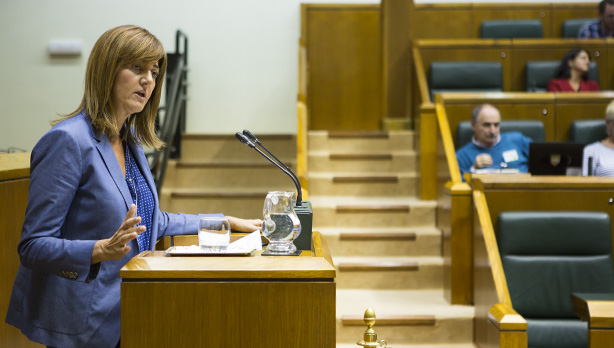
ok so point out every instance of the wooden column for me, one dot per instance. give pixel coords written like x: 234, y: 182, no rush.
x: 396, y: 63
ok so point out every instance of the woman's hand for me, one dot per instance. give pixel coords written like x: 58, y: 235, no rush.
x: 116, y: 247
x: 243, y: 225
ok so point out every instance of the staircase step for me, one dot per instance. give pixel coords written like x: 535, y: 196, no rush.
x: 353, y: 211
x: 382, y: 162
x: 412, y: 318
x: 219, y: 175
x: 239, y: 202
x: 388, y: 272
x: 226, y: 147
x: 360, y: 141
x: 363, y: 184
x: 380, y: 241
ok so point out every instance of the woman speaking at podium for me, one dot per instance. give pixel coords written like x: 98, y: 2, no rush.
x: 92, y: 204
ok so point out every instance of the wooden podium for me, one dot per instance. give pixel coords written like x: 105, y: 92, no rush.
x: 225, y: 301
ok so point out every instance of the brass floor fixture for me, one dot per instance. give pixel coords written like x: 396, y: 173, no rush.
x: 370, y: 337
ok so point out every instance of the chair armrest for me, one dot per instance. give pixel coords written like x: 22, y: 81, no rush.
x: 596, y: 309
x: 505, y: 318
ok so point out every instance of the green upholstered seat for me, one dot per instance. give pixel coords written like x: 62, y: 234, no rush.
x: 587, y: 131
x: 532, y: 129
x: 571, y: 27
x: 465, y: 77
x: 512, y: 28
x: 539, y: 73
x: 546, y: 257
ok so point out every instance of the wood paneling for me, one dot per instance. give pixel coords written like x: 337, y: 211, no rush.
x: 217, y: 301
x: 433, y: 21
x: 462, y: 21
x: 513, y: 56
x: 14, y: 182
x: 485, y: 12
x: 344, y: 63
x: 519, y: 192
x: 228, y: 314
x: 396, y: 58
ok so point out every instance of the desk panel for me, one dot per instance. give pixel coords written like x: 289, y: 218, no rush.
x: 228, y: 314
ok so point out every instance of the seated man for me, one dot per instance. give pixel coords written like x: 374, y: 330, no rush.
x: 490, y: 149
x: 604, y: 26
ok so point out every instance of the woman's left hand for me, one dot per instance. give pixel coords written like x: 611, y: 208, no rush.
x: 243, y: 225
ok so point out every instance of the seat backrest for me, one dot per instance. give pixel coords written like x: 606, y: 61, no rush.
x: 571, y: 27
x: 465, y: 77
x: 547, y: 256
x: 587, y: 131
x: 532, y: 129
x: 539, y: 73
x: 510, y: 29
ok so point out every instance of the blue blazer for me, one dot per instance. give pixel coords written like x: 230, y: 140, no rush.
x: 77, y: 196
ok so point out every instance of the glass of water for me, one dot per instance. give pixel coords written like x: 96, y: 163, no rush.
x: 214, y: 232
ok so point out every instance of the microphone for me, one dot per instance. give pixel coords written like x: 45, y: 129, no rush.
x: 250, y: 140
x: 255, y: 140
x: 303, y: 210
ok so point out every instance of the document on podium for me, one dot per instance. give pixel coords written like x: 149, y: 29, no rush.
x: 242, y: 246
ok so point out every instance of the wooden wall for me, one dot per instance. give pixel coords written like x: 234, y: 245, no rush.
x: 344, y: 56
x: 344, y: 66
x: 462, y: 21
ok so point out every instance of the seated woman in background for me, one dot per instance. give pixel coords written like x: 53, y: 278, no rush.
x: 601, y: 152
x: 571, y: 76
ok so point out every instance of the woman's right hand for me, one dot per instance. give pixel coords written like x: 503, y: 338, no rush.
x: 116, y: 247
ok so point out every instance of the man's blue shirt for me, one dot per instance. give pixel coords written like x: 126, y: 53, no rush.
x: 592, y: 29
x: 511, y: 152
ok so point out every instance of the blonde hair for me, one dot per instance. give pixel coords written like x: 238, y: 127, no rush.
x: 116, y: 49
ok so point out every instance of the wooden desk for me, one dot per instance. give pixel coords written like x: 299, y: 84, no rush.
x: 14, y: 183
x: 229, y: 301
x: 598, y: 311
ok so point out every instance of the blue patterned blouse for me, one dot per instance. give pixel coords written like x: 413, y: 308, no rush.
x: 142, y: 197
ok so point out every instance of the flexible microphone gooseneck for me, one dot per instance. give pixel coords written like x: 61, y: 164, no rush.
x: 255, y: 140
x: 250, y: 140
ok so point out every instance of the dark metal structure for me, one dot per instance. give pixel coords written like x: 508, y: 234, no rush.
x: 171, y: 117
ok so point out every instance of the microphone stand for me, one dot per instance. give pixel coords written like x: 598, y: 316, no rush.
x: 302, y: 208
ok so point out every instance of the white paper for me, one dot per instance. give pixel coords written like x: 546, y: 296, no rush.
x: 251, y: 241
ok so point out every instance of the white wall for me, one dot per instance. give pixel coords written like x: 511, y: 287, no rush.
x: 242, y: 57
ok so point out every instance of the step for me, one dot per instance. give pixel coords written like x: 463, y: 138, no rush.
x: 363, y: 184
x: 400, y: 272
x: 377, y: 241
x: 219, y: 175
x: 366, y: 161
x: 239, y: 203
x: 225, y: 147
x: 360, y: 141
x: 404, y: 317
x: 354, y: 211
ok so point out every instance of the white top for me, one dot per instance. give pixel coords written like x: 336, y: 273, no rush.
x: 603, y: 159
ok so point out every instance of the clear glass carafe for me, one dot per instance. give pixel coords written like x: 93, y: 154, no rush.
x: 281, y: 224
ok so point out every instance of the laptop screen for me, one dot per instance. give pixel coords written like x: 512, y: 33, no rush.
x: 552, y: 158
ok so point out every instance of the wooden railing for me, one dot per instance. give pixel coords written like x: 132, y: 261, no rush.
x: 497, y: 323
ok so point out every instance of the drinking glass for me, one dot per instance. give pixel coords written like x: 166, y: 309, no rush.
x: 214, y: 232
